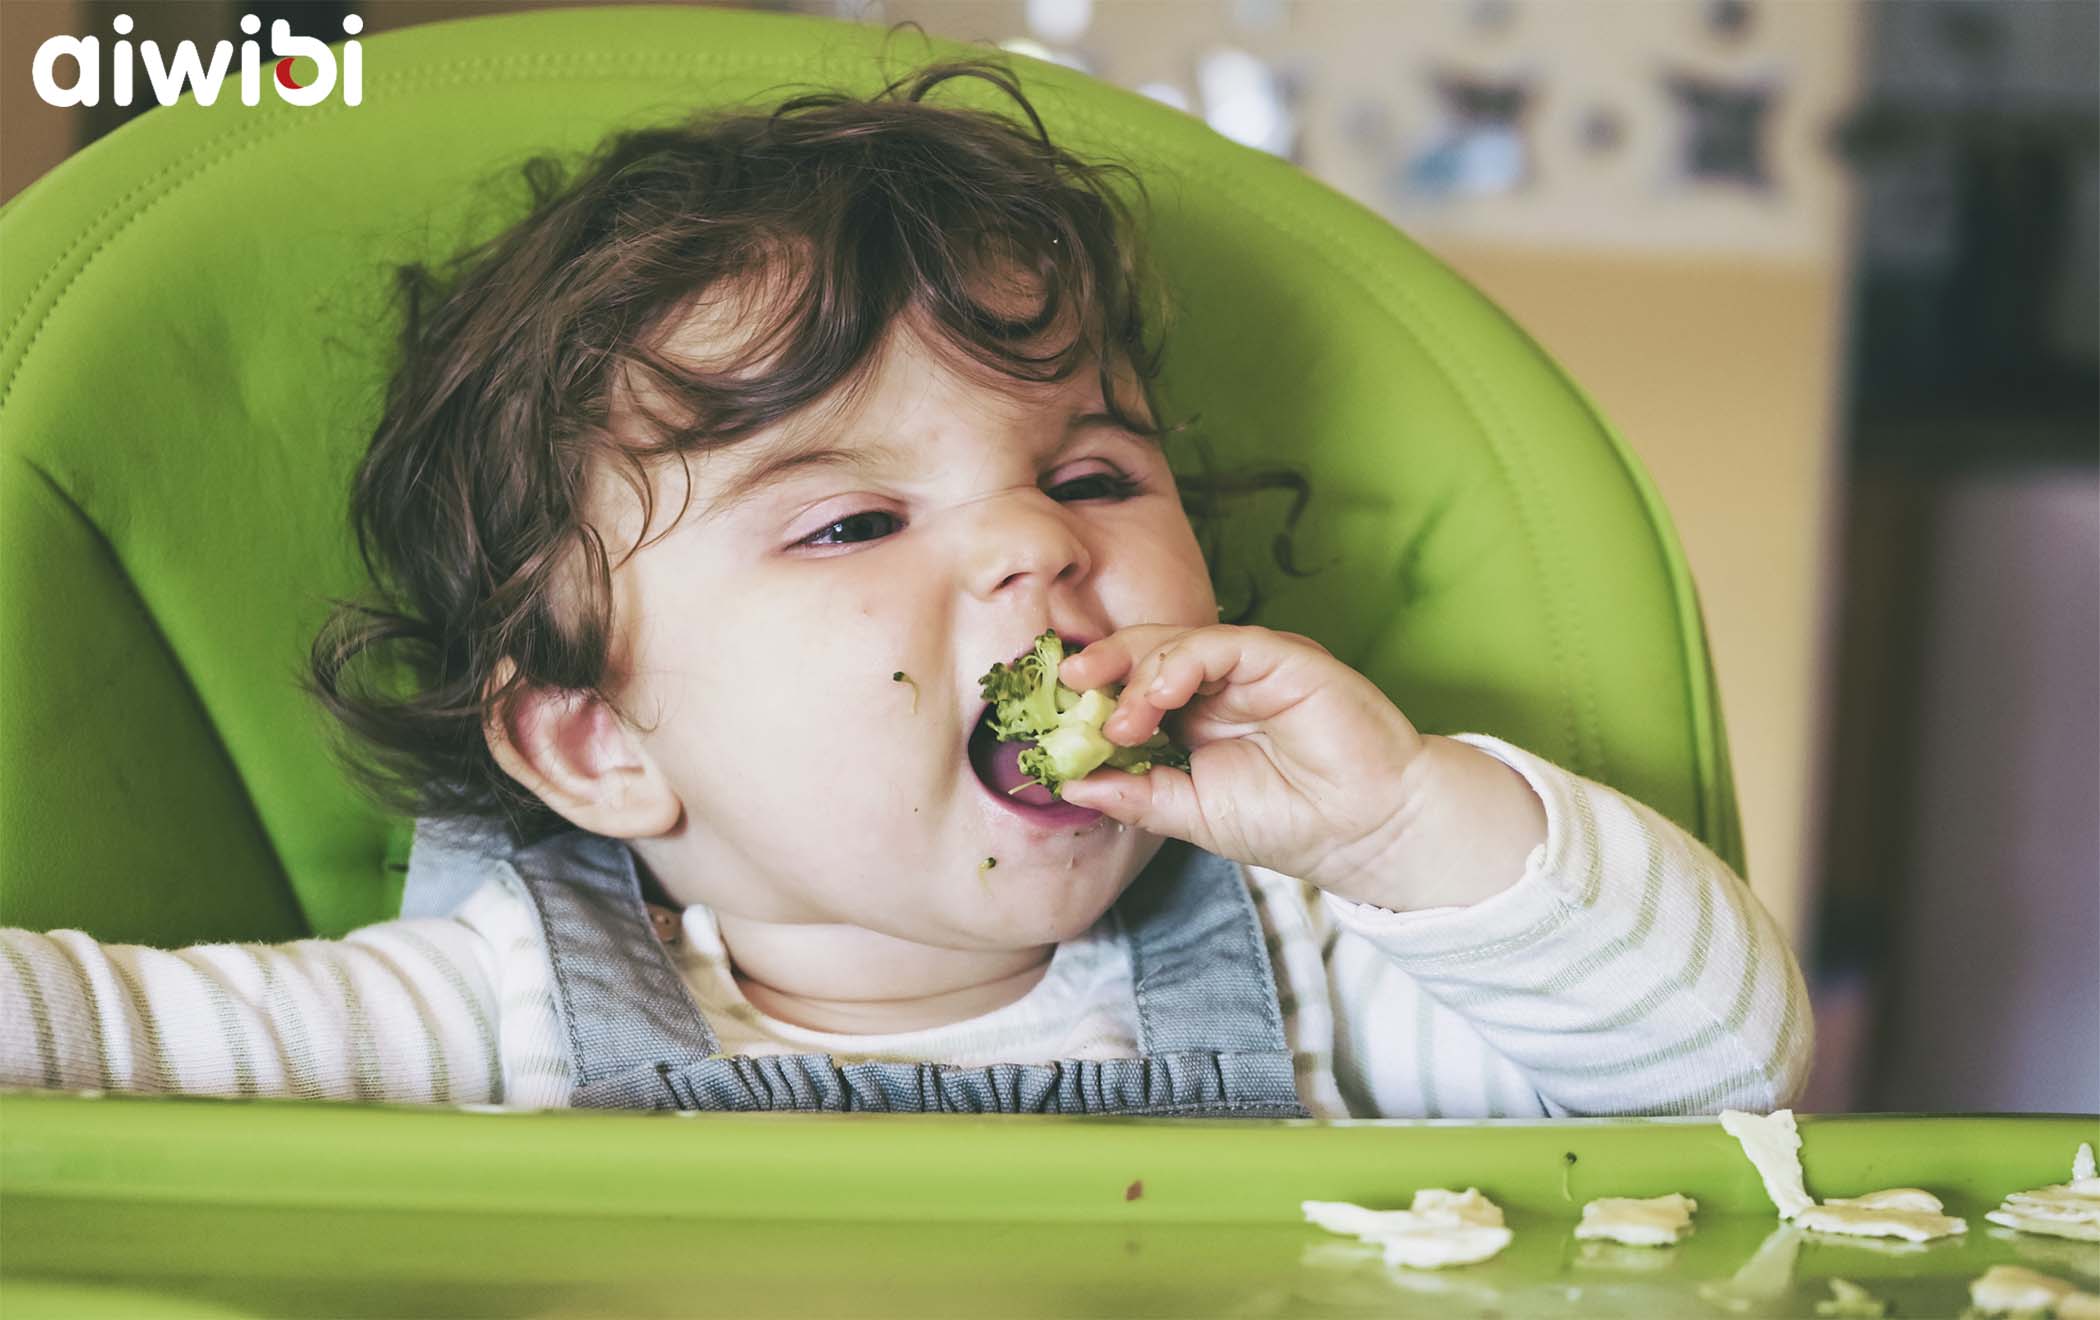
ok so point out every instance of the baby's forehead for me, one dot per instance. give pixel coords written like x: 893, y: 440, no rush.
x: 910, y: 385
x: 733, y: 331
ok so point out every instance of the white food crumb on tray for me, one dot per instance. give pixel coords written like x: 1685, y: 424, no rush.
x: 2004, y: 1288
x: 1773, y: 1144
x: 1902, y: 1212
x: 1657, y: 1221
x: 2043, y: 1227
x: 1441, y: 1228
x: 1463, y: 1245
x: 2064, y: 1210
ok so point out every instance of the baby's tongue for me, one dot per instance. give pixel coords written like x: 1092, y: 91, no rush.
x: 999, y: 764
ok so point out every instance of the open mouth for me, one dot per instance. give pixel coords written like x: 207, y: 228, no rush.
x: 998, y: 768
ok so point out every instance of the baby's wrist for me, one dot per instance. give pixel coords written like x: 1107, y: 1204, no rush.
x: 1465, y: 828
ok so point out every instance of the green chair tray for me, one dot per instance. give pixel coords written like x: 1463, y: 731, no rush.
x: 123, y: 1205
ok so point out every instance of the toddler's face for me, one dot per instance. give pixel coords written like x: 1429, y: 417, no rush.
x: 936, y: 527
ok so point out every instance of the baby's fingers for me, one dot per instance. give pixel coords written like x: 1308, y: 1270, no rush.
x: 1108, y: 660
x: 1161, y: 801
x: 1255, y: 674
x: 1200, y: 661
x: 1153, y: 691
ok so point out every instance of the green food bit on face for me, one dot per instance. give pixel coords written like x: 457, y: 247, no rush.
x: 987, y: 864
x: 1030, y: 705
x: 901, y: 677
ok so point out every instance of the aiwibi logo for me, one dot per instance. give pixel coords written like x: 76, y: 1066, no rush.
x: 169, y: 76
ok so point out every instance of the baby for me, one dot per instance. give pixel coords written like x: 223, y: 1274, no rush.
x: 714, y: 819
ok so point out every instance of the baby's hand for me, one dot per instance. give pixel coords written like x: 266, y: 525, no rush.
x: 1300, y: 764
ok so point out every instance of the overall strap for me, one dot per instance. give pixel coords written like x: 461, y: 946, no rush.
x: 622, y: 1000
x: 1199, y: 957
x: 450, y: 857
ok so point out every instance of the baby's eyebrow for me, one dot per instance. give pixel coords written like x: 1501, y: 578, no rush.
x: 784, y: 460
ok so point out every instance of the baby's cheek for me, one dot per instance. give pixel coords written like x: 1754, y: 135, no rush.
x: 1158, y: 576
x: 1185, y: 552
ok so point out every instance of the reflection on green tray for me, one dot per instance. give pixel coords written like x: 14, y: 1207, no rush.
x: 275, y: 1208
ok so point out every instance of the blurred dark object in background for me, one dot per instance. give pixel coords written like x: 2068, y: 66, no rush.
x: 1961, y: 894
x: 1974, y: 328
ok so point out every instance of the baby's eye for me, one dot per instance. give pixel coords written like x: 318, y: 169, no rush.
x: 873, y: 524
x: 867, y: 526
x: 1095, y: 486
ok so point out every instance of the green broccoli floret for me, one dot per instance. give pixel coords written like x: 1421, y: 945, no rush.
x: 1030, y: 705
x: 1024, y: 694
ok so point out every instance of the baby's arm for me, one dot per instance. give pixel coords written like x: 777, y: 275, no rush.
x: 1629, y: 971
x: 399, y: 1011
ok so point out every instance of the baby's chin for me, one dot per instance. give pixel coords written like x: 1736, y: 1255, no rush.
x: 1022, y: 902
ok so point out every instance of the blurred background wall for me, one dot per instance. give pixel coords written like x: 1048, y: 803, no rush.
x: 1829, y: 266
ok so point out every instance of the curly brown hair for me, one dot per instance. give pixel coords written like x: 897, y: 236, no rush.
x: 515, y: 355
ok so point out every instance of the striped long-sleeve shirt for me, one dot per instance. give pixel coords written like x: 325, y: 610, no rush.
x: 1628, y: 971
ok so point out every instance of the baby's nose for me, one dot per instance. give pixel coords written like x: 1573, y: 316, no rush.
x: 1027, y: 540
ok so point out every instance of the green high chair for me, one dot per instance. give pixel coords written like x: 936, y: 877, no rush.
x: 196, y: 335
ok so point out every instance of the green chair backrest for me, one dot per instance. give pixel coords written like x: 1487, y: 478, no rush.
x: 196, y: 335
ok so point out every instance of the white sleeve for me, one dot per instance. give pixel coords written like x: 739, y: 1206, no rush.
x: 400, y: 1011
x: 1628, y: 971
x: 539, y: 1069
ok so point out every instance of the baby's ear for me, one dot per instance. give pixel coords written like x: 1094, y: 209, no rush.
x: 571, y: 751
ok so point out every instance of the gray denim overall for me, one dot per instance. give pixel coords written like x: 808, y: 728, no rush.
x: 1210, y: 1031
